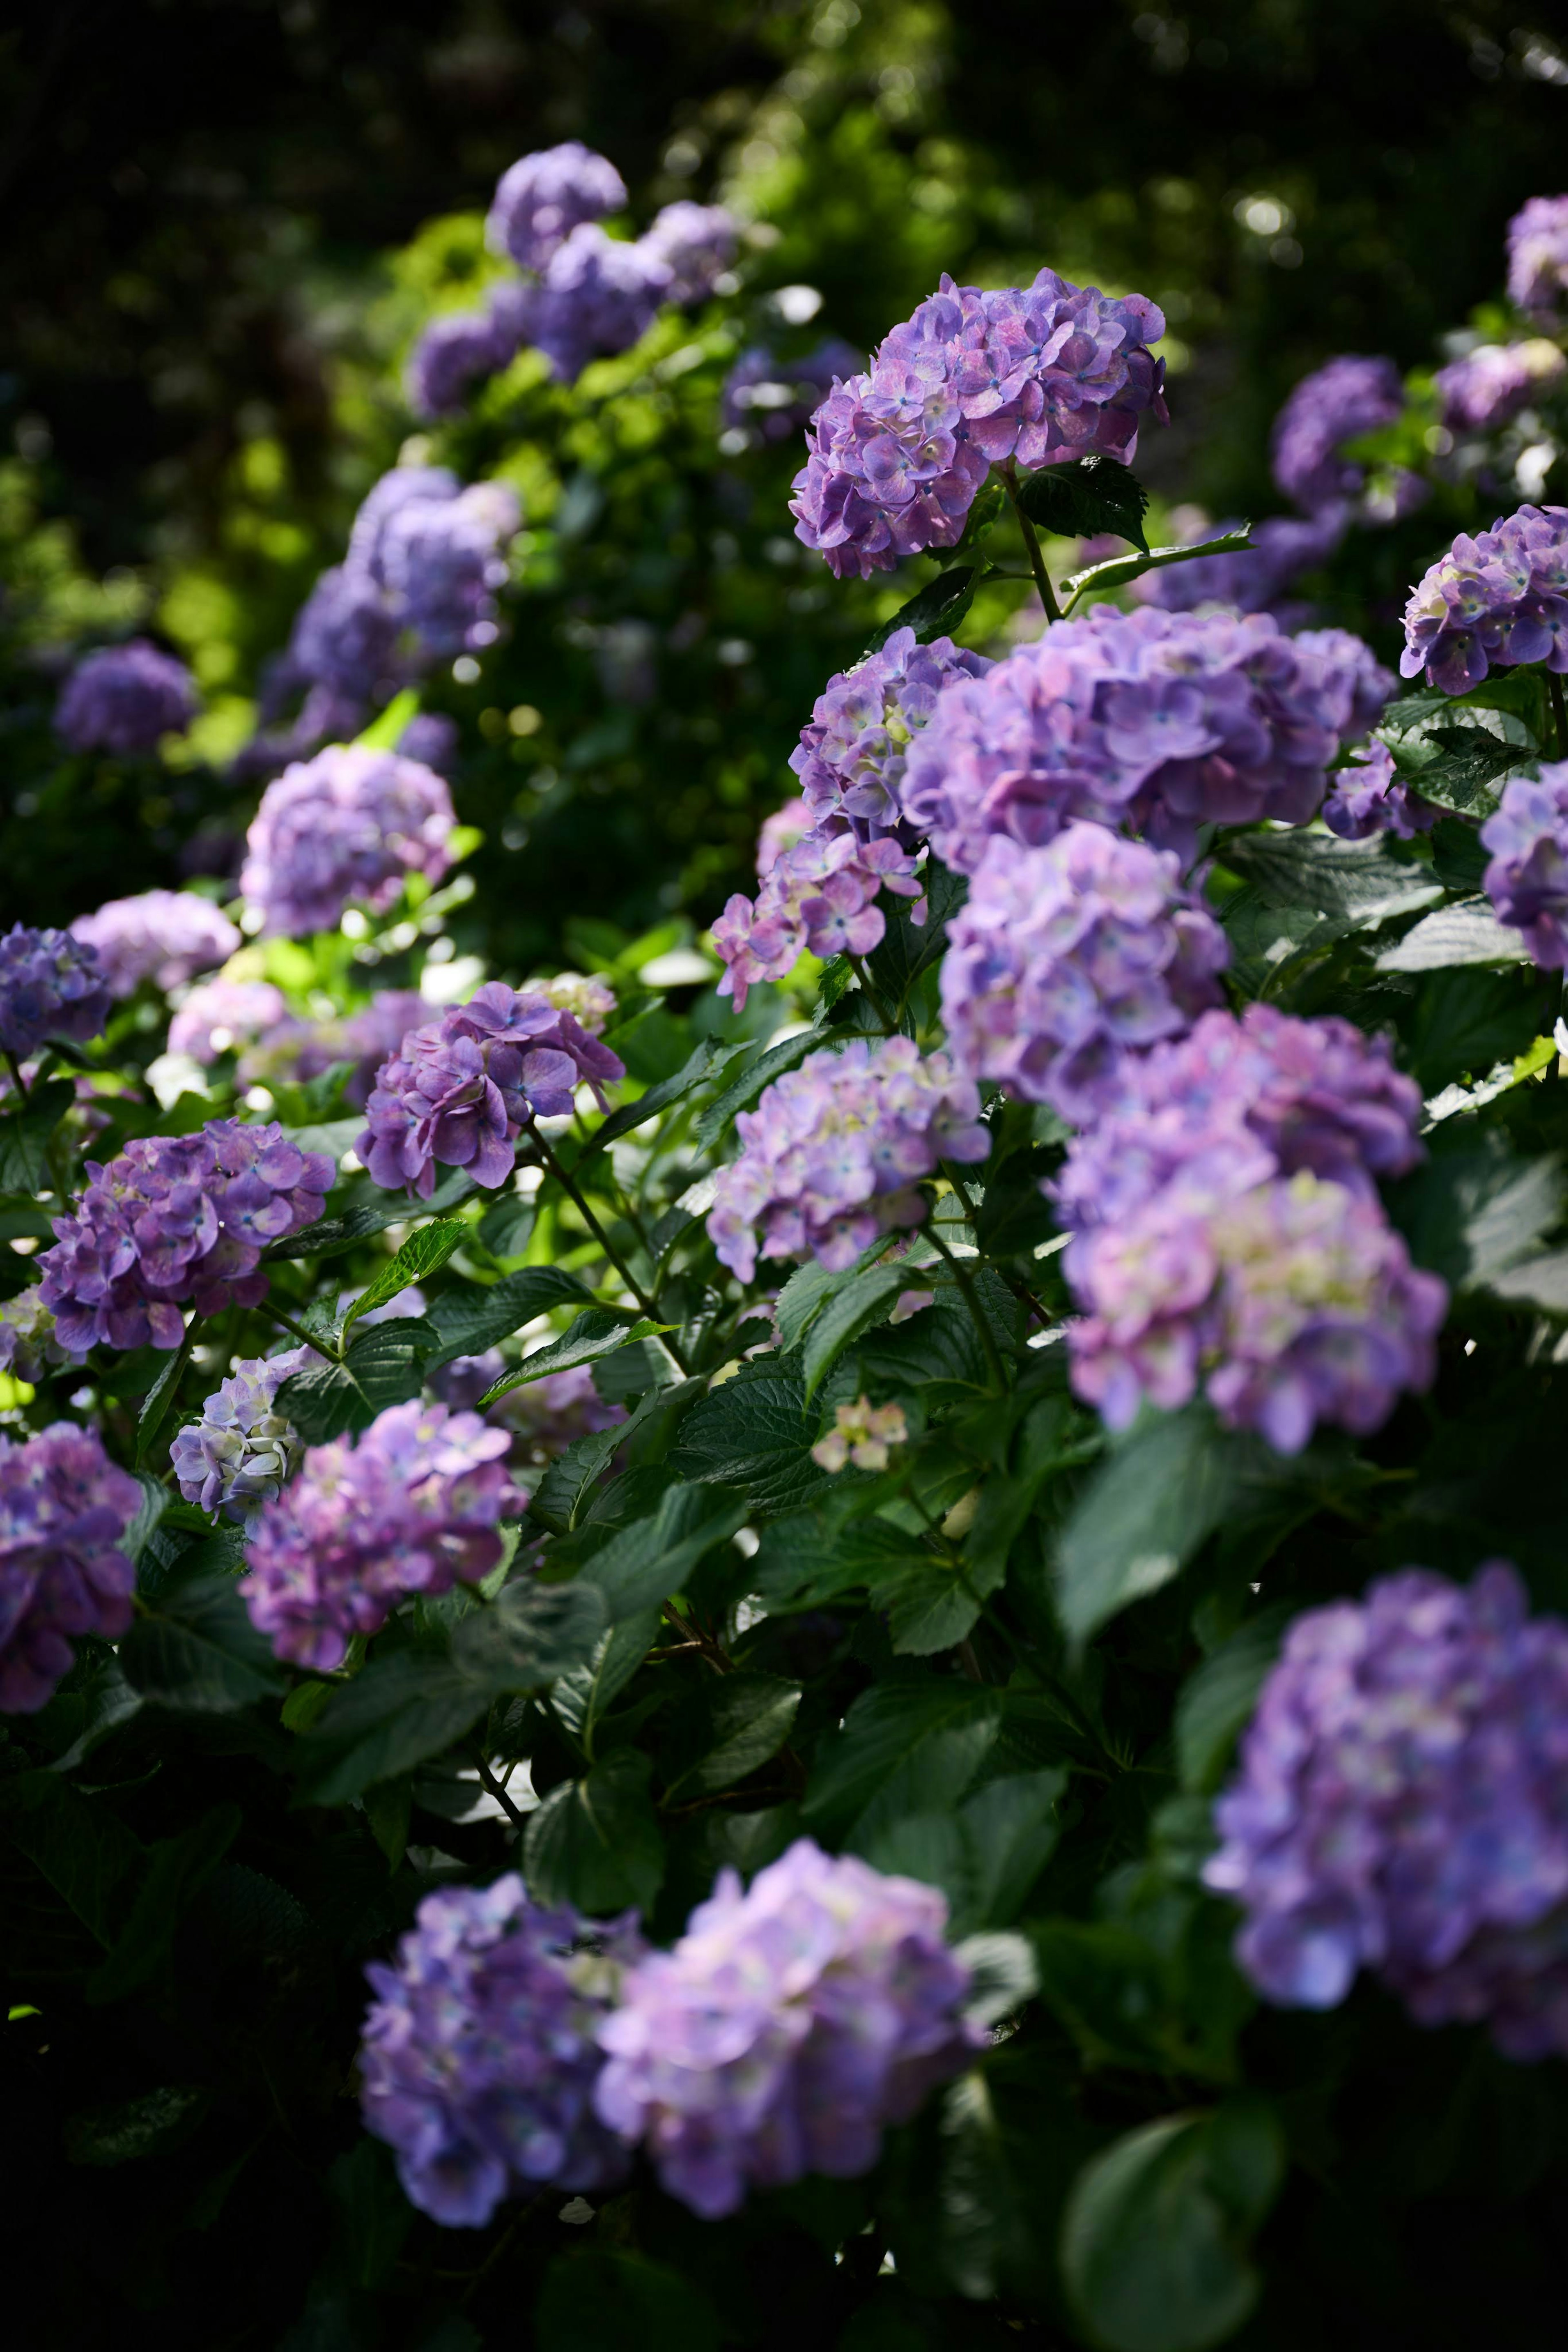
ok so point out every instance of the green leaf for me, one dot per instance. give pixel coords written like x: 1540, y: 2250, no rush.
x: 581, y: 1698
x: 1537, y: 1282
x: 331, y: 1236
x: 394, y: 1715
x: 1467, y: 934
x: 175, y: 1871
x: 1216, y: 1704
x: 384, y: 1365
x: 808, y: 1290
x: 1155, y: 2236
x: 475, y: 1317
x: 83, y: 1849
x: 195, y: 1649
x: 866, y: 1298
x: 602, y: 2301
x: 743, y: 1091
x: 1015, y: 1215
x: 1459, y: 859
x: 642, y: 1564
x: 808, y: 1559
x: 908, y: 949
x: 129, y: 2129
x: 710, y: 1054
x: 1455, y: 767
x: 1357, y: 881
x: 572, y: 1480
x: 1472, y: 1214
x: 754, y: 1432
x: 936, y: 611
x: 1158, y: 1496
x: 26, y: 1136
x: 595, y: 1842
x: 985, y: 1854
x: 1085, y: 498
x: 905, y: 1747
x: 425, y: 1253
x: 598, y: 1331
x: 155, y: 1500
x: 1119, y: 569
x: 530, y: 1634
x: 733, y: 1724
x: 160, y: 1395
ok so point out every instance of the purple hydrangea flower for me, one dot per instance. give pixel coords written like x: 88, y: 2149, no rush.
x: 52, y: 984
x: 1283, y: 547
x: 414, y: 1505
x: 454, y: 353
x: 773, y: 398
x: 834, y: 1152
x: 29, y: 1348
x: 461, y: 1088
x: 1527, y: 878
x: 779, y: 832
x: 1167, y: 720
x: 302, y: 1050
x: 1335, y: 403
x: 1370, y: 796
x: 125, y: 700
x: 548, y: 1416
x: 237, y: 1455
x: 350, y: 823
x: 221, y: 1015
x: 1487, y: 386
x: 786, y: 2029
x: 851, y: 758
x: 440, y: 561
x: 480, y: 2052
x: 343, y: 645
x: 461, y: 1383
x: 1066, y: 958
x: 1538, y: 254
x: 1401, y: 1805
x: 64, y: 1511
x: 541, y: 199
x: 696, y: 244
x: 175, y: 1218
x: 598, y: 294
x: 819, y: 895
x: 1500, y: 597
x: 163, y: 936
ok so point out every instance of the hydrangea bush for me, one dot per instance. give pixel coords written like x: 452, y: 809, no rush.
x: 845, y: 1629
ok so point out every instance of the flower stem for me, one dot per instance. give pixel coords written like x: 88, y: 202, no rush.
x: 1559, y: 712
x: 298, y: 1331
x: 497, y: 1789
x: 575, y: 1195
x: 1031, y: 543
x: 977, y: 1312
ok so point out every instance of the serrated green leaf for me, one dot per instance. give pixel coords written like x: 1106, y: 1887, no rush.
x: 530, y: 1634
x: 598, y: 1331
x: 1467, y: 934
x: 475, y: 1316
x: 1155, y: 1499
x: 175, y: 1871
x: 936, y: 611
x: 754, y: 1432
x: 581, y: 1698
x: 26, y: 1135
x: 425, y: 1253
x: 866, y: 1298
x: 400, y: 1710
x: 1119, y: 569
x: 1086, y: 497
x: 1357, y: 881
x: 733, y: 1725
x: 331, y: 1236
x: 758, y: 1075
x: 708, y: 1061
x: 385, y: 1365
x: 595, y: 1842
x: 904, y: 1746
x: 571, y: 1479
x: 1216, y: 1703
x: 645, y: 1563
x: 1455, y: 767
x: 195, y: 1649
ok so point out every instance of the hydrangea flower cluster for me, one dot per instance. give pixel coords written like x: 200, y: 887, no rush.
x: 1401, y: 1805
x: 548, y: 1416
x: 304, y: 1049
x: 237, y: 1455
x: 696, y: 244
x: 461, y: 1088
x: 221, y: 1015
x: 1527, y: 876
x: 163, y: 936
x: 1164, y: 720
x: 1538, y: 254
x: 1281, y: 549
x: 834, y: 1152
x: 125, y: 700
x: 779, y: 832
x: 769, y: 399
x: 819, y: 895
x: 850, y: 756
x: 1035, y: 376
x: 174, y: 1218
x: 64, y: 1511
x: 1370, y: 796
x: 1228, y: 1233
x: 350, y: 823
x: 454, y: 351
x: 480, y: 2058
x: 541, y: 198
x: 1491, y: 384
x: 51, y: 985
x: 1500, y: 597
x: 862, y: 1436
x: 1335, y: 403
x: 414, y: 1505
x: 1066, y: 959
x: 787, y: 2027
x: 29, y: 1347
x: 598, y: 293
x: 587, y: 997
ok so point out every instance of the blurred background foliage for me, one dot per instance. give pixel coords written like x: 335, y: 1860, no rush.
x: 227, y: 219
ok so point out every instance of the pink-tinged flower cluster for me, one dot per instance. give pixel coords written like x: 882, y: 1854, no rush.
x: 125, y: 700
x: 1068, y: 957
x: 304, y: 1049
x: 237, y: 1454
x: 851, y: 757
x: 1161, y: 721
x: 587, y: 997
x: 51, y: 985
x: 414, y: 1505
x: 1401, y: 1805
x: 176, y: 1218
x: 697, y: 244
x: 1335, y: 403
x: 1283, y: 547
x: 1489, y: 385
x: 542, y: 197
x: 1035, y: 376
x: 834, y: 1153
x: 163, y: 936
x: 769, y: 399
x: 461, y: 1088
x: 548, y: 1416
x: 1370, y: 796
x: 1527, y: 878
x: 64, y: 1511
x: 351, y: 823
x: 779, y: 832
x: 29, y: 1347
x: 789, y: 2027
x: 222, y: 1016
x: 479, y: 2056
x: 1228, y: 1235
x: 818, y: 896
x: 1500, y: 598
x: 1538, y: 255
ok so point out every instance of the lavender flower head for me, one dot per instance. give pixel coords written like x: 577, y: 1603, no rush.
x: 1039, y: 375
x: 351, y: 823
x: 834, y: 1152
x: 541, y: 199
x: 1066, y: 959
x: 1335, y: 403
x: 696, y: 244
x: 441, y: 563
x: 238, y: 1454
x: 1538, y: 254
x: 461, y: 1088
x: 163, y: 936
x: 587, y: 997
x: 599, y: 294
x: 819, y: 894
x: 1370, y: 796
x: 414, y: 1505
x: 29, y: 1348
x: 1498, y: 598
x: 343, y: 643
x: 221, y: 1015
x: 1527, y: 878
x: 463, y: 1380
x: 454, y: 353
x: 176, y: 1218
x: 52, y: 984
x: 64, y: 1511
x: 851, y: 757
x: 480, y: 2054
x: 1281, y: 549
x: 786, y: 2029
x: 125, y: 700
x: 1487, y: 386
x: 1161, y: 721
x: 1401, y: 1805
x: 779, y: 832
x: 772, y: 399
x: 548, y: 1416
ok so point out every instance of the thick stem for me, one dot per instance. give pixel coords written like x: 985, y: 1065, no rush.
x: 1559, y: 712
x: 497, y: 1789
x: 977, y: 1312
x: 576, y: 1196
x: 1031, y: 543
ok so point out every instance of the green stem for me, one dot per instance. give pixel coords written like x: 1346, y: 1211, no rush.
x: 1008, y: 477
x: 15, y: 1067
x: 299, y: 1333
x: 977, y: 1313
x: 1559, y: 712
x: 576, y: 1196
x: 497, y: 1790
